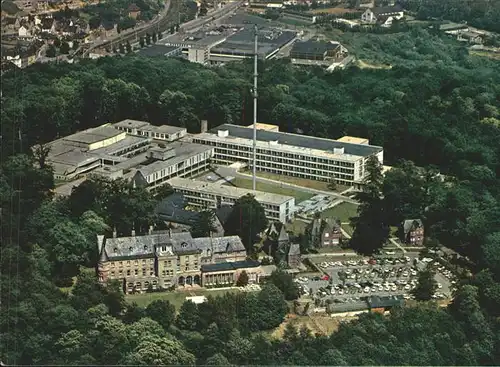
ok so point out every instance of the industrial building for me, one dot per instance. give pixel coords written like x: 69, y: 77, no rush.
x: 241, y: 44
x: 214, y: 195
x: 135, y: 150
x: 294, y: 155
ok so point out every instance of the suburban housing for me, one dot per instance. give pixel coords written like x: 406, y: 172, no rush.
x: 164, y: 259
x: 214, y: 195
x: 291, y: 154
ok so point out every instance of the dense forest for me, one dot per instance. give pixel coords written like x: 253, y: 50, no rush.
x: 484, y: 14
x: 439, y: 116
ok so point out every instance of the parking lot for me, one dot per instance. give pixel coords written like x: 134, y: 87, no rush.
x: 348, y: 281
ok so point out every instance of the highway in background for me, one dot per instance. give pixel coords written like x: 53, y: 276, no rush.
x: 166, y: 19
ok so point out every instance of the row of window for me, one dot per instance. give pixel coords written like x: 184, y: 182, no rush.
x: 237, y: 149
x: 170, y: 171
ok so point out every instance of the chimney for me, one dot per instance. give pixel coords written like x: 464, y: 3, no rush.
x: 133, y: 231
x: 150, y: 230
x: 100, y: 242
x: 203, y: 126
x: 169, y: 232
x: 114, y: 232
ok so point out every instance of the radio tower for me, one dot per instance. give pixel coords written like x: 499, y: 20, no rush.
x: 254, y: 166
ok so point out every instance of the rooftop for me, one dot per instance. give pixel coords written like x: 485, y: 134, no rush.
x: 353, y: 140
x: 157, y: 50
x: 229, y: 266
x: 94, y: 135
x: 131, y: 124
x: 226, y: 190
x: 242, y: 42
x: 183, y: 151
x: 314, y: 47
x: 296, y: 140
x: 261, y: 126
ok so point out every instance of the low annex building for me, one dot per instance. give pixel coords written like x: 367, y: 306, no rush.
x: 146, y: 154
x: 163, y: 259
x: 214, y: 195
x: 292, y: 154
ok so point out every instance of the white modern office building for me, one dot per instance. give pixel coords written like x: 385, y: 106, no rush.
x: 178, y: 159
x: 342, y: 161
x: 214, y: 195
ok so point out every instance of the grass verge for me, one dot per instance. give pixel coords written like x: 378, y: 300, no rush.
x: 271, y: 188
x: 343, y: 211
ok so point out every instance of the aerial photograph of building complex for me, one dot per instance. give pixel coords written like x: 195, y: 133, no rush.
x: 262, y: 182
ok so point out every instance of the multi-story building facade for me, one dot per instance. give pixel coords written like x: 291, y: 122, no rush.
x: 213, y: 195
x: 179, y: 159
x: 163, y: 259
x: 291, y: 154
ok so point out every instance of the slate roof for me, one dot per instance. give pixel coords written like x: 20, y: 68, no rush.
x: 383, y: 302
x: 218, y: 245
x: 409, y: 224
x: 230, y: 266
x: 304, y: 141
x: 172, y: 209
x: 386, y: 10
x: 142, y: 246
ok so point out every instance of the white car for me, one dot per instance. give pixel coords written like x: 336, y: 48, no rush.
x: 394, y: 288
x: 405, y: 274
x: 366, y: 290
x: 390, y: 253
x: 440, y: 286
x: 380, y: 288
x: 387, y: 288
x: 407, y: 287
x: 341, y: 291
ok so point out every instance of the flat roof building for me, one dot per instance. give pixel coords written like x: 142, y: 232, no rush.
x: 126, y: 148
x: 214, y: 195
x: 241, y: 44
x: 291, y: 154
x: 143, y: 128
x: 353, y: 140
x: 180, y: 159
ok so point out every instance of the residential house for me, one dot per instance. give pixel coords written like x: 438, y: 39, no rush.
x: 471, y: 37
x: 19, y: 56
x: 48, y: 25
x: 8, y: 65
x: 412, y: 232
x: 382, y: 14
x: 293, y: 258
x: 325, y: 232
x: 134, y: 11
x: 277, y: 242
x: 24, y: 31
x: 162, y: 259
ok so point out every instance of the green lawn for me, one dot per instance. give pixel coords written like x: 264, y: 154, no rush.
x: 176, y: 298
x: 343, y: 212
x: 273, y: 189
x: 297, y: 226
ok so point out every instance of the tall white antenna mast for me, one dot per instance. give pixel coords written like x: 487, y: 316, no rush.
x: 254, y: 166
